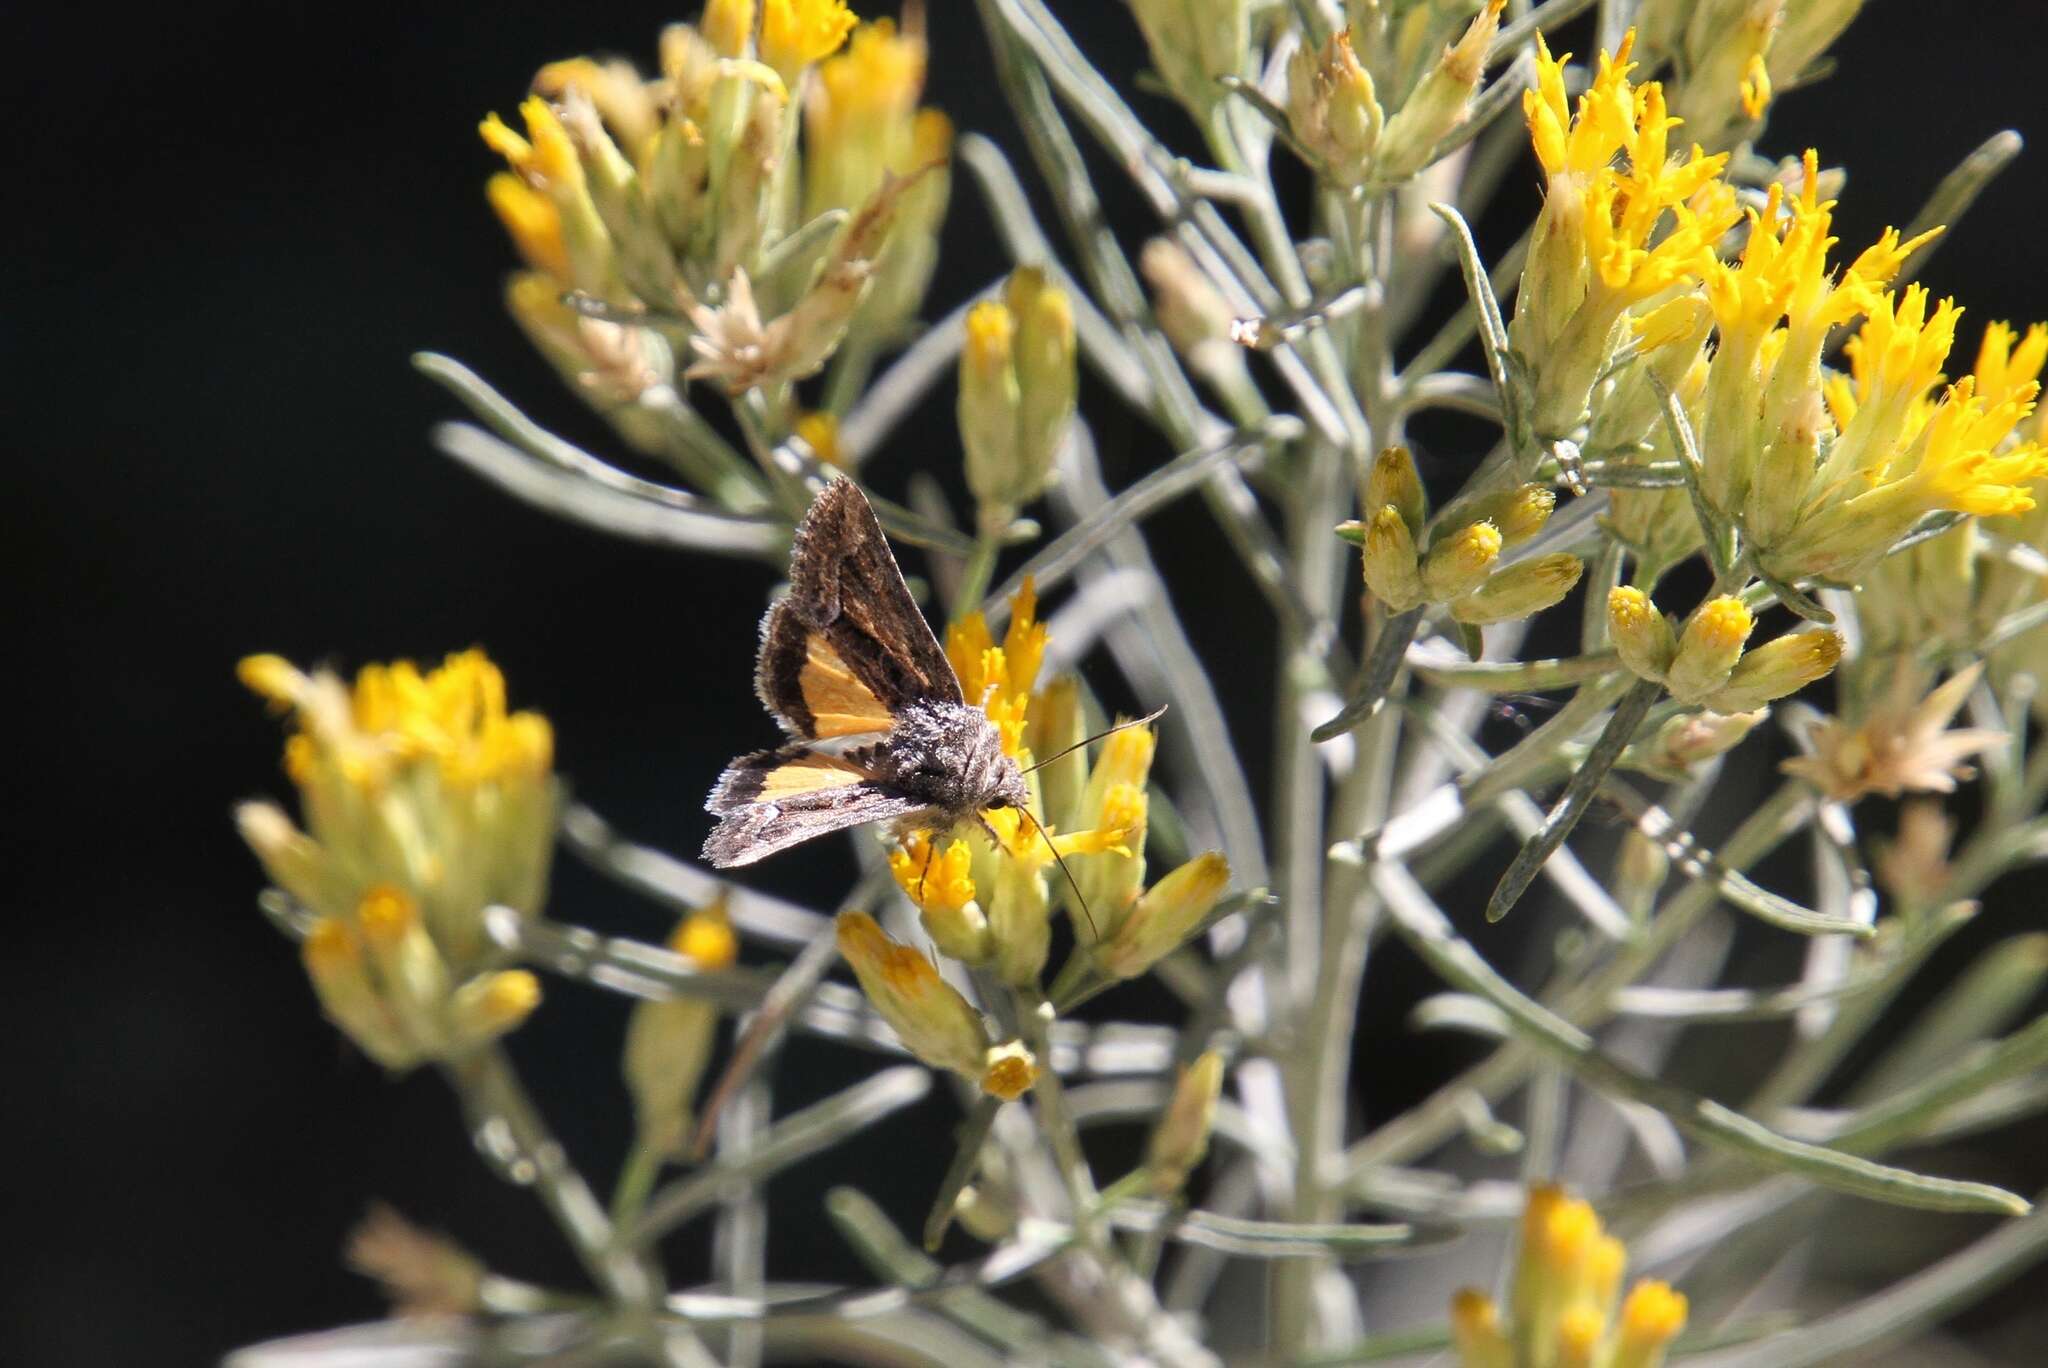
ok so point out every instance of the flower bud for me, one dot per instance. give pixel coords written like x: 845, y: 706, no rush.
x: 1778, y: 668
x: 1019, y: 910
x: 935, y: 1023
x: 1651, y: 1318
x: 1018, y: 380
x: 1692, y: 739
x: 1712, y: 643
x: 1331, y: 105
x: 1476, y: 1332
x: 668, y: 1044
x: 1392, y: 572
x: 1116, y: 800
x: 1440, y: 101
x: 1048, y: 378
x: 1460, y: 561
x: 1394, y: 480
x: 642, y: 251
x: 292, y: 859
x: 414, y: 978
x: 942, y: 886
x: 336, y: 965
x: 1192, y: 312
x: 421, y: 1273
x: 1056, y: 723
x: 988, y: 397
x: 1519, y: 514
x: 1578, y: 1336
x: 1193, y: 43
x: 1168, y: 913
x: 1008, y: 1071
x: 1520, y: 590
x: 1642, y: 636
x: 1181, y: 1138
x: 490, y: 1005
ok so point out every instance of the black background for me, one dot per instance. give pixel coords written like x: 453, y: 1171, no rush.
x: 228, y: 226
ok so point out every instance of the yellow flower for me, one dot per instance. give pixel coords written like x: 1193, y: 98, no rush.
x: 858, y: 119
x: 420, y: 784
x: 1901, y: 454
x: 999, y: 679
x: 934, y: 1021
x: 1566, y: 1279
x: 570, y: 244
x: 1623, y: 221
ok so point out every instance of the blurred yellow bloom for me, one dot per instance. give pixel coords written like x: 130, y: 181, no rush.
x: 1567, y: 1278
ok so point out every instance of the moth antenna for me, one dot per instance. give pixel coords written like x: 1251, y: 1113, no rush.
x: 1152, y: 716
x: 1061, y: 860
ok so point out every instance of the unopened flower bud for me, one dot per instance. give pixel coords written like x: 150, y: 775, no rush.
x: 1692, y: 739
x: 1181, y: 1138
x: 668, y: 1044
x: 1476, y: 1332
x: 339, y: 972
x: 1460, y: 561
x: 1331, y: 104
x: 1711, y: 644
x: 1520, y: 590
x: 292, y: 859
x: 1642, y: 636
x: 490, y: 1005
x: 414, y: 978
x: 1115, y: 800
x: 1018, y: 380
x: 1168, y: 913
x: 935, y: 1023
x: 1440, y: 101
x: 642, y: 251
x: 1518, y: 513
x: 421, y: 1273
x: 1194, y: 43
x: 1651, y: 1318
x: 1579, y: 1331
x: 1778, y: 668
x: 1048, y: 377
x: 1009, y: 1071
x: 1394, y: 480
x: 1192, y: 312
x: 1392, y: 572
x: 1056, y: 723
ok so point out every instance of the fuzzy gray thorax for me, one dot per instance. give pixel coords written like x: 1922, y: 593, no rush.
x: 948, y: 755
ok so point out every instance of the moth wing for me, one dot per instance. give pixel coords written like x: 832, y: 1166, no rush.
x: 771, y: 800
x: 813, y: 692
x: 877, y: 653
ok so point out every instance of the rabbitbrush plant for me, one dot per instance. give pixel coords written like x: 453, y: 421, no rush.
x: 1724, y: 460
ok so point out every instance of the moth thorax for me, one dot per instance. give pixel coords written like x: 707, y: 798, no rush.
x: 950, y: 756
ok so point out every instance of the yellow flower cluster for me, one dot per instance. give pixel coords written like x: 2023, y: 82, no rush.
x: 1624, y: 221
x: 1407, y: 562
x: 986, y: 895
x: 1565, y: 1308
x: 426, y: 802
x: 669, y: 194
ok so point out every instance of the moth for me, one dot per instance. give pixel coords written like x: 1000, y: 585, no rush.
x: 847, y: 654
